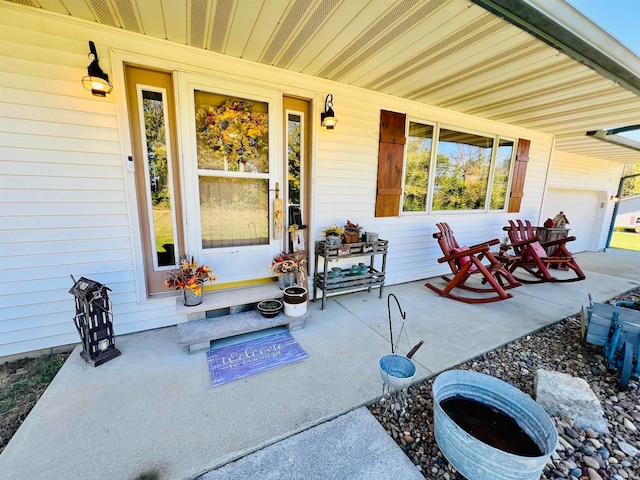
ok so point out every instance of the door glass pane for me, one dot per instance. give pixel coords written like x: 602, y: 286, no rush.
x: 501, y: 175
x: 232, y: 134
x: 462, y: 171
x: 294, y: 123
x: 416, y: 177
x: 159, y: 178
x: 234, y: 212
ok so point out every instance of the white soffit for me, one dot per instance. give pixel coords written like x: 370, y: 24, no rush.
x: 453, y: 54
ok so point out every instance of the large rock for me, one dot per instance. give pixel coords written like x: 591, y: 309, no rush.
x: 561, y: 394
x: 627, y: 448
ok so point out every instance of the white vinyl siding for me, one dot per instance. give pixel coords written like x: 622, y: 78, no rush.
x: 598, y: 180
x: 581, y: 207
x: 62, y: 198
x: 66, y: 202
x: 628, y: 212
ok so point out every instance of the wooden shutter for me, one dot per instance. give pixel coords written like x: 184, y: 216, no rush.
x: 519, y: 173
x: 390, y: 158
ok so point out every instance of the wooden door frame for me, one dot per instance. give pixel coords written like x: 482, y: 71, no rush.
x: 154, y: 279
x: 307, y: 164
x: 121, y: 57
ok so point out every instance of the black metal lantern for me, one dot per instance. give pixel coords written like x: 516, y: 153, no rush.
x: 96, y: 81
x: 93, y: 321
x: 328, y: 118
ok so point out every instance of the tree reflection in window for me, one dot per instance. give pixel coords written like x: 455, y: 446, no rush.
x: 501, y: 174
x: 465, y: 164
x: 159, y: 184
x: 293, y: 156
x: 419, y: 142
x: 462, y: 171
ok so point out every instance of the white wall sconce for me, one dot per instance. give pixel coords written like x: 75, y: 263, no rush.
x: 96, y: 81
x: 328, y: 118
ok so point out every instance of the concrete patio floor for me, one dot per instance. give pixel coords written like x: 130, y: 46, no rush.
x: 154, y: 409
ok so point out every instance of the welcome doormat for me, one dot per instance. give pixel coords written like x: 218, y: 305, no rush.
x: 233, y: 362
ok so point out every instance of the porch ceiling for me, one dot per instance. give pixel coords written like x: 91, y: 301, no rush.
x: 452, y: 54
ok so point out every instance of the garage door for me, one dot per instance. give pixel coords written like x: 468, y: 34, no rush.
x: 582, y: 209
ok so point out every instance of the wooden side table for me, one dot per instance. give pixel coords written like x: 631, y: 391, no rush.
x: 509, y: 262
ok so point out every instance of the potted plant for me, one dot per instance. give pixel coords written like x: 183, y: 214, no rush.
x: 505, y: 247
x: 351, y: 232
x: 333, y: 234
x: 287, y: 266
x: 189, y: 277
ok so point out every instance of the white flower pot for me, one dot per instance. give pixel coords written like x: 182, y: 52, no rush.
x: 295, y: 301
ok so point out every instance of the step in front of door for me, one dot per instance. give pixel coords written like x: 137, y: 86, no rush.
x: 232, y: 298
x: 198, y: 334
x: 227, y: 313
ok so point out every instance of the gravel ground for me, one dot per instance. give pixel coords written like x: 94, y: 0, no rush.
x: 581, y: 454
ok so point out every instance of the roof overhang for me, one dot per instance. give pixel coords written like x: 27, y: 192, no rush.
x: 616, y: 136
x: 558, y: 25
x: 536, y: 64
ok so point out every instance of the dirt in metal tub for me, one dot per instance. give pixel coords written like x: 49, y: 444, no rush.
x: 476, y: 459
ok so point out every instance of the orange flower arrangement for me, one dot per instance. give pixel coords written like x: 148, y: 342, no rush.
x: 289, y: 262
x: 189, y: 275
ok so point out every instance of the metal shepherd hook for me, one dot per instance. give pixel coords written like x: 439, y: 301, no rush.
x: 402, y: 314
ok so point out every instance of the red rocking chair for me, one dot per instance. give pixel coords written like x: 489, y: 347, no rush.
x: 467, y: 261
x: 534, y: 258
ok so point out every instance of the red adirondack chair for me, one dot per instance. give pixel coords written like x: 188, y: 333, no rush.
x: 534, y: 258
x: 467, y: 261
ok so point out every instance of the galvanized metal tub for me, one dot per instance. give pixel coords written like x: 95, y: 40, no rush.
x: 475, y: 459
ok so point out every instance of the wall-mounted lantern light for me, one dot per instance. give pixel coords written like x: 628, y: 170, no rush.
x: 96, y: 81
x: 328, y: 118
